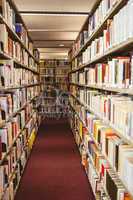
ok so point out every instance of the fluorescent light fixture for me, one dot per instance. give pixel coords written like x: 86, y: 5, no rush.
x: 54, y: 13
x: 61, y: 45
x: 53, y: 30
x: 65, y: 15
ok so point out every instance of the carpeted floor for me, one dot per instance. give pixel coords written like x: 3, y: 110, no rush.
x: 54, y: 170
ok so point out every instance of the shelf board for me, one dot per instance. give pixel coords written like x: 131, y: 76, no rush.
x: 109, y: 15
x: 128, y: 91
x: 4, y: 56
x: 17, y: 87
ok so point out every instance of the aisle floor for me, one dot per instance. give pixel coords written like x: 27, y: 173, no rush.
x: 54, y: 170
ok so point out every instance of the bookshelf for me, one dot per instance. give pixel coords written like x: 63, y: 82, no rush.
x: 20, y: 88
x: 116, y: 6
x: 101, y: 90
x: 54, y: 75
x: 61, y: 73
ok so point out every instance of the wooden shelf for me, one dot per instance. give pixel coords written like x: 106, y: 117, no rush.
x: 119, y: 4
x: 17, y: 64
x: 115, y: 50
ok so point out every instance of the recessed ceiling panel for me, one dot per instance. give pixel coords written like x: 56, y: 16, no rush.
x: 54, y: 55
x: 53, y: 50
x: 54, y: 30
x: 55, y: 5
x: 40, y: 35
x: 54, y: 23
x: 55, y: 44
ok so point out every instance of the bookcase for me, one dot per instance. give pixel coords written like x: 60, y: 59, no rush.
x: 19, y: 90
x: 101, y: 89
x: 62, y: 70
x: 54, y: 76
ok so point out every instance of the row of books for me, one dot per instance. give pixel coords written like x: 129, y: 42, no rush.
x: 11, y: 75
x: 113, y: 35
x: 54, y: 73
x: 12, y: 167
x: 99, y: 15
x: 8, y: 191
x: 13, y: 20
x: 8, y: 13
x: 10, y: 103
x: 55, y: 62
x: 49, y: 71
x: 116, y: 73
x: 19, y: 84
x: 47, y: 80
x: 14, y: 49
x: 62, y: 71
x: 93, y: 22
x: 51, y: 74
x: 33, y: 92
x: 61, y: 80
x: 86, y: 159
x: 54, y: 70
x: 94, y: 153
x: 115, y: 109
x: 36, y: 54
x: 12, y: 129
x: 62, y: 86
x: 61, y: 75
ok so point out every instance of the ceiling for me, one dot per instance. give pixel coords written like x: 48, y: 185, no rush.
x: 54, y: 24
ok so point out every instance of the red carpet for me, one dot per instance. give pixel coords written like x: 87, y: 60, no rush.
x: 54, y: 170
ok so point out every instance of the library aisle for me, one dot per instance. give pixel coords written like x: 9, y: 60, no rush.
x: 54, y: 170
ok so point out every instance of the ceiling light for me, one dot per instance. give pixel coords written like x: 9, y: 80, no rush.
x: 61, y: 45
x: 54, y: 13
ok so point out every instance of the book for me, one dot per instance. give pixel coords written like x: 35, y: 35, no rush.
x: 4, y: 38
x: 114, y: 188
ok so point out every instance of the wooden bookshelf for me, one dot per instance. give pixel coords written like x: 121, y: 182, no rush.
x: 90, y: 134
x: 128, y: 140
x: 112, y: 51
x: 14, y: 170
x: 6, y: 56
x: 79, y: 87
x: 118, y: 5
x: 23, y: 92
x: 16, y: 38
